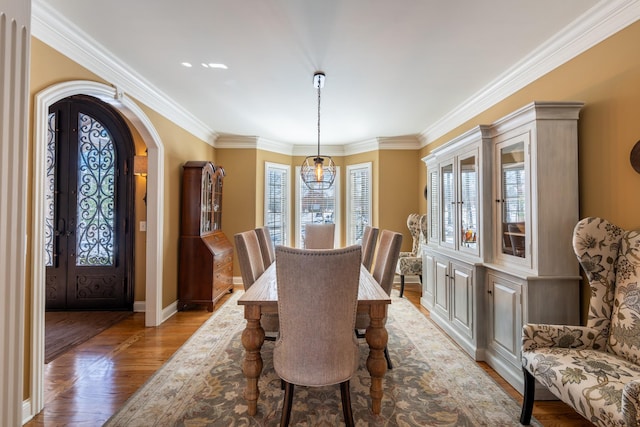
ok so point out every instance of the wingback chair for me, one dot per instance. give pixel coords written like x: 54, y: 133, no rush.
x: 594, y: 368
x: 319, y: 236
x: 251, y: 267
x: 383, y: 273
x: 314, y: 285
x: 369, y: 240
x: 411, y: 262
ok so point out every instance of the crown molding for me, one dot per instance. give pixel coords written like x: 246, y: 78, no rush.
x: 48, y: 25
x: 601, y: 21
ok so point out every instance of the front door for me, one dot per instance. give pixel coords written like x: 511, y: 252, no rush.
x: 89, y: 205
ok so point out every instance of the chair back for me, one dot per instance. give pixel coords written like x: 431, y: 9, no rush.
x: 417, y: 225
x: 249, y: 257
x: 369, y: 240
x: 319, y: 236
x: 384, y: 269
x: 266, y: 246
x: 317, y: 302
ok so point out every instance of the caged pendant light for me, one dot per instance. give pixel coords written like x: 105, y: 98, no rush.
x: 318, y: 172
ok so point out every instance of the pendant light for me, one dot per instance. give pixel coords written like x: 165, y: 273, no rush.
x: 318, y: 172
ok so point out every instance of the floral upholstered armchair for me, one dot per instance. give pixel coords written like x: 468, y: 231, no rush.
x: 411, y: 262
x: 594, y: 368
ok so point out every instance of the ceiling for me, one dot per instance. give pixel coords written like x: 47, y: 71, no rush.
x: 393, y: 68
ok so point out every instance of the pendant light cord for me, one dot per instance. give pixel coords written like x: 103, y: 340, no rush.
x: 319, y: 119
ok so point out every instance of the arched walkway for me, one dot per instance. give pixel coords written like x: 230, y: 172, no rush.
x: 155, y: 203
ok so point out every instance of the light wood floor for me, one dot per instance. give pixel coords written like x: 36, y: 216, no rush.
x: 85, y: 386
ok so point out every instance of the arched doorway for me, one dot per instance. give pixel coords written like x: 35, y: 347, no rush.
x: 88, y: 207
x: 155, y: 201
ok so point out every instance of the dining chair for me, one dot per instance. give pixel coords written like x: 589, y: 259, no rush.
x: 319, y: 236
x: 266, y: 246
x: 251, y: 267
x: 314, y: 285
x: 369, y: 240
x: 384, y: 271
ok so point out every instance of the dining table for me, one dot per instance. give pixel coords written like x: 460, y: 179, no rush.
x: 262, y: 297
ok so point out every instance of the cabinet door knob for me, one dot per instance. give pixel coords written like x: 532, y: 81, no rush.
x: 490, y: 292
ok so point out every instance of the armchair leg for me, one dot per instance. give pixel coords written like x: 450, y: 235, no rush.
x: 401, y: 285
x: 345, y: 393
x: 286, y: 406
x: 529, y: 394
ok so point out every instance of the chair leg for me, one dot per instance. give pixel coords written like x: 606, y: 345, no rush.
x: 345, y: 393
x: 401, y: 285
x: 286, y: 406
x: 527, y: 402
x: 386, y: 356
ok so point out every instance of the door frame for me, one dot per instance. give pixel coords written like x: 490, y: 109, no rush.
x: 155, y: 212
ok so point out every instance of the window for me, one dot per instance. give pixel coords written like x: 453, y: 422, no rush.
x: 358, y: 201
x: 277, y: 202
x: 316, y: 206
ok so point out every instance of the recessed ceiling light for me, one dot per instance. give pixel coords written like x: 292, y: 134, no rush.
x: 186, y: 64
x: 215, y: 65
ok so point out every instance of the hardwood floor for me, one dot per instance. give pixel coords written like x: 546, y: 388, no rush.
x: 86, y: 385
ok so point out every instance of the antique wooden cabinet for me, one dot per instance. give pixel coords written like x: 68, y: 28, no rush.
x: 206, y: 255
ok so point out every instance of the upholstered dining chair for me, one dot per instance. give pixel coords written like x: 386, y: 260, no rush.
x: 251, y: 267
x: 369, y: 240
x: 266, y: 246
x: 319, y: 236
x: 383, y: 273
x: 313, y: 285
x: 411, y: 262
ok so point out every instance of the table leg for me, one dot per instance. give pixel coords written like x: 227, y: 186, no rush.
x: 252, y: 340
x: 377, y: 337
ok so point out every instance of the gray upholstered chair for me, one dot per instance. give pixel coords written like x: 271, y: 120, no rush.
x: 252, y: 267
x: 266, y: 246
x: 594, y: 368
x: 384, y: 273
x: 319, y: 236
x: 317, y: 302
x: 411, y: 262
x: 369, y: 241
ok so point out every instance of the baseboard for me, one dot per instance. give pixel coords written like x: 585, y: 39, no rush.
x: 167, y: 312
x: 27, y: 412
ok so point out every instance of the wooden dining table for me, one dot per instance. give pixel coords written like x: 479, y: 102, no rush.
x: 262, y: 297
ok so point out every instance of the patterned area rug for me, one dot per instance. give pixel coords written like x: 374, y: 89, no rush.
x: 432, y: 383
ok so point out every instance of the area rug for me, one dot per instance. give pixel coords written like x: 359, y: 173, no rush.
x: 64, y: 330
x: 432, y: 383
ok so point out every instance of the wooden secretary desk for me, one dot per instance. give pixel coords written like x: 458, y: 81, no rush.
x: 206, y: 255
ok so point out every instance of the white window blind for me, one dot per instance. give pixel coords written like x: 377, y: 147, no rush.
x: 358, y: 201
x: 448, y: 207
x: 433, y: 208
x: 277, y: 201
x: 316, y: 206
x: 514, y: 197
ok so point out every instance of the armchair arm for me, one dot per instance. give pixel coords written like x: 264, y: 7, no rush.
x: 405, y: 254
x: 631, y: 403
x: 543, y: 336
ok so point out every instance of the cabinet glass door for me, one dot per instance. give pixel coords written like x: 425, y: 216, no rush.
x: 448, y: 206
x: 434, y: 209
x: 513, y: 198
x: 468, y: 202
x: 205, y: 206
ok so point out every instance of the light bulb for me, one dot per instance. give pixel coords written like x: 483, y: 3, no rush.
x: 319, y: 171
